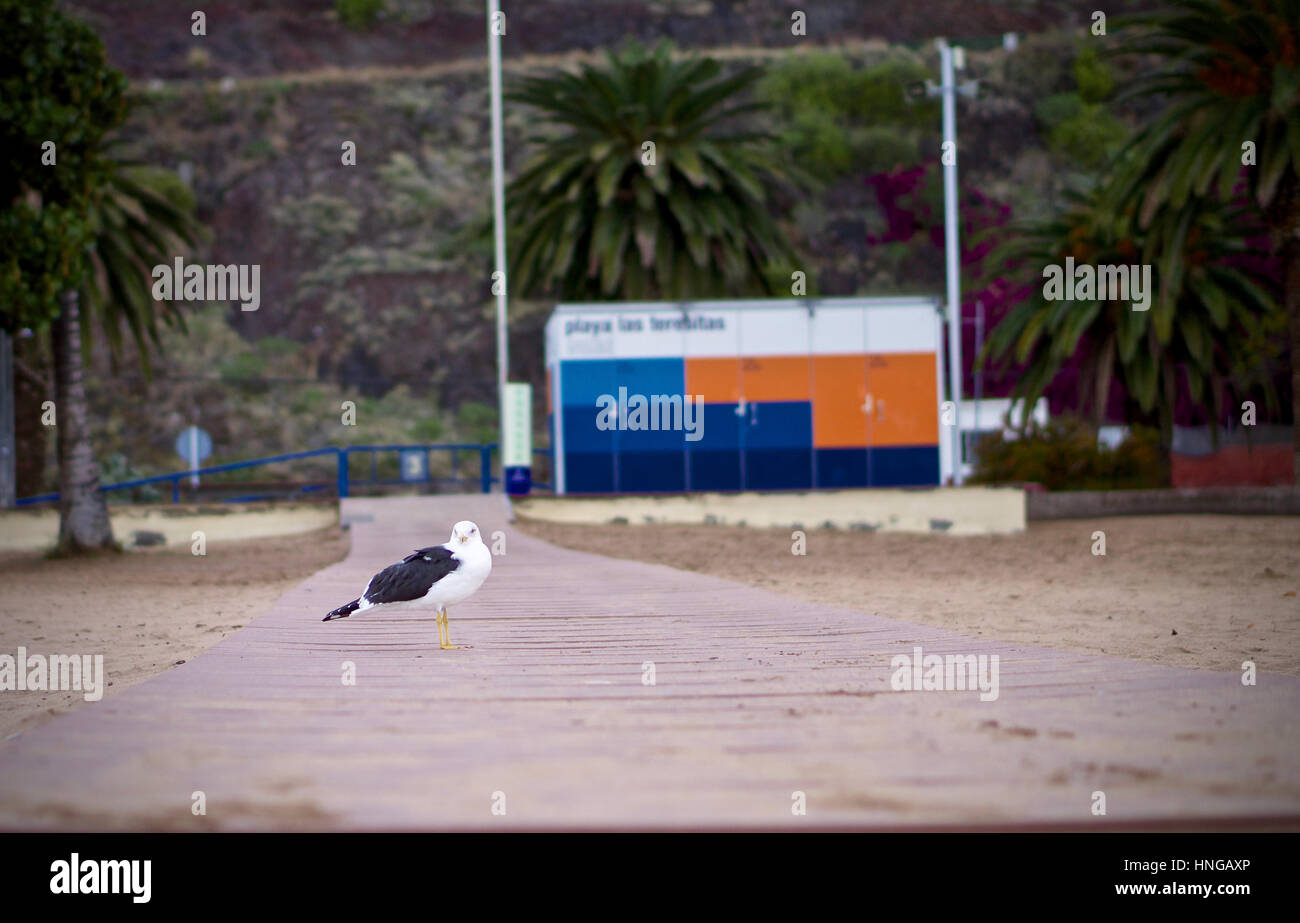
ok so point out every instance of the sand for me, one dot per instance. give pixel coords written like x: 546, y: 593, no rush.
x: 1207, y: 592
x: 143, y: 610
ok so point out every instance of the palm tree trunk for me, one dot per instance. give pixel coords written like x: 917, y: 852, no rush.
x: 83, y: 514
x: 1291, y: 297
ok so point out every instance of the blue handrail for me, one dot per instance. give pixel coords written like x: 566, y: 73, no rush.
x: 343, y: 455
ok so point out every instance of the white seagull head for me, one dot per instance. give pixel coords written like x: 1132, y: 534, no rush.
x: 464, y: 532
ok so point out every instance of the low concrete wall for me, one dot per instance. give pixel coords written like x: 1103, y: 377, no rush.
x: 38, y: 529
x: 1269, y: 465
x: 957, y: 510
x: 1089, y: 504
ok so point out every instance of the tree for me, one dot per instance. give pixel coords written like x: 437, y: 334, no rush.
x: 637, y: 190
x: 1229, y: 73
x: 1209, y: 334
x: 143, y: 216
x: 58, y: 100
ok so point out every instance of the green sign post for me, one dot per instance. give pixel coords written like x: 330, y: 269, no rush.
x: 517, y: 431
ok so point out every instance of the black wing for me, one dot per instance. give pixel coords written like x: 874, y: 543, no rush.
x: 411, y: 578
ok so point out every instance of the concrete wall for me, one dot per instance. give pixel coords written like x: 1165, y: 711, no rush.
x: 1260, y: 466
x: 38, y: 529
x: 1088, y: 504
x: 957, y: 510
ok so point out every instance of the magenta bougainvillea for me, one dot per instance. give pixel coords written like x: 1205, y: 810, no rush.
x: 910, y: 204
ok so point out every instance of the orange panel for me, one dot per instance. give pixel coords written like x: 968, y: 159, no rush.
x: 776, y: 378
x: 717, y: 379
x: 904, y: 402
x: 839, y: 390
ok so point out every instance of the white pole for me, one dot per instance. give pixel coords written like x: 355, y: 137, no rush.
x: 951, y: 253
x: 501, y: 281
x: 194, y: 456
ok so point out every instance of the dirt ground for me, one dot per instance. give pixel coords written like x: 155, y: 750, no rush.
x: 143, y: 610
x: 1189, y: 591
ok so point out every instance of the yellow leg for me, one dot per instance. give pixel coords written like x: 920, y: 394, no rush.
x: 444, y: 634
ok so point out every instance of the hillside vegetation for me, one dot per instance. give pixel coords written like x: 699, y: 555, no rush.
x: 376, y: 277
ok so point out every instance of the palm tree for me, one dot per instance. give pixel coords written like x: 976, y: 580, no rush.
x: 1209, y: 333
x: 141, y: 217
x: 1230, y: 73
x: 599, y: 213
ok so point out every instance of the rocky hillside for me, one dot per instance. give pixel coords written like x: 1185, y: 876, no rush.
x: 151, y: 38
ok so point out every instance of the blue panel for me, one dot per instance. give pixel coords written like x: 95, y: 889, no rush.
x: 582, y: 381
x: 647, y: 472
x: 841, y: 467
x: 778, y: 425
x: 778, y: 469
x: 905, y: 466
x: 714, y: 458
x: 639, y: 439
x: 588, y: 472
x: 777, y: 441
x: 714, y: 470
x: 650, y: 376
x: 581, y: 434
x: 720, y: 429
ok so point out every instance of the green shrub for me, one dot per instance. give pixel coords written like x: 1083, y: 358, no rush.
x: 1092, y: 76
x: 839, y: 120
x: 242, y: 367
x: 477, y: 422
x: 1058, y: 108
x: 1084, y: 133
x: 429, y: 429
x: 1090, y: 138
x: 358, y: 14
x: 878, y: 148
x: 1064, y: 455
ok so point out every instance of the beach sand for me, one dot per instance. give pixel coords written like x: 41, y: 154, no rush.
x: 142, y: 610
x: 1192, y: 591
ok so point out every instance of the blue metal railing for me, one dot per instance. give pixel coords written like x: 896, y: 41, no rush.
x: 343, y: 479
x: 485, y: 464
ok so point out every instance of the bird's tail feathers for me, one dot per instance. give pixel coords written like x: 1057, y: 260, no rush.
x: 344, y: 611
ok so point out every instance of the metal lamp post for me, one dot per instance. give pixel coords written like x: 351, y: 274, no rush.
x: 951, y: 59
x: 501, y: 281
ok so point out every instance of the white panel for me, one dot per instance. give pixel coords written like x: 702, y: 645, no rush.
x: 837, y: 331
x: 648, y: 334
x: 584, y: 335
x: 780, y: 332
x: 901, y: 330
x: 714, y: 333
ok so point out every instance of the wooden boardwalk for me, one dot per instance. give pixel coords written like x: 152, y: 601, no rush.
x: 756, y: 697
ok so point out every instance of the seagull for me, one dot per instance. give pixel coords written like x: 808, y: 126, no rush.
x: 437, y: 576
